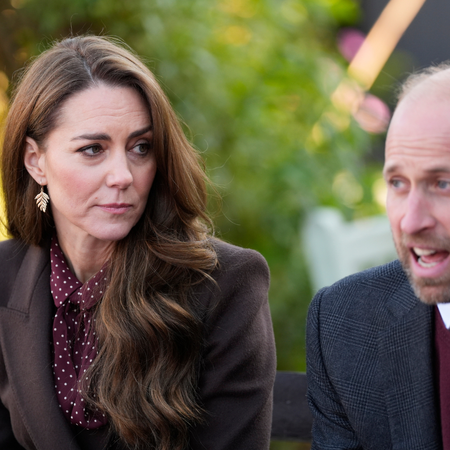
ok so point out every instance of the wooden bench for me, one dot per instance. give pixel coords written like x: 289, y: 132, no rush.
x: 292, y: 420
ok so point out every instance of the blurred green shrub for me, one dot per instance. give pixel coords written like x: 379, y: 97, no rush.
x: 252, y: 79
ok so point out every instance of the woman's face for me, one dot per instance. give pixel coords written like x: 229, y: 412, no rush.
x: 98, y: 163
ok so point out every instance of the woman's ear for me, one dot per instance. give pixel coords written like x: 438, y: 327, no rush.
x: 34, y: 160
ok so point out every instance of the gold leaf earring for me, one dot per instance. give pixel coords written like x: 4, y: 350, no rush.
x: 42, y: 199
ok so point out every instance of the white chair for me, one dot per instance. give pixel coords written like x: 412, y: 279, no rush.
x: 335, y: 248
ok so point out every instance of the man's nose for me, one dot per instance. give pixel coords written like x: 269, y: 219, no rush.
x: 418, y: 215
x: 119, y: 174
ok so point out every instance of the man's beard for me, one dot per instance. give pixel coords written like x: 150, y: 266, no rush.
x: 429, y: 290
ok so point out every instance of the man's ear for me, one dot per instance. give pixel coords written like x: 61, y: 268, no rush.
x: 34, y: 160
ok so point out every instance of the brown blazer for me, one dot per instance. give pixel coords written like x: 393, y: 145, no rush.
x: 238, y: 362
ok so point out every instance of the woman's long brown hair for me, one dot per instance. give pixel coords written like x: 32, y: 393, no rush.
x: 145, y: 375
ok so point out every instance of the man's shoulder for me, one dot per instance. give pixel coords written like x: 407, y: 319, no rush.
x: 372, y: 295
x: 387, y: 277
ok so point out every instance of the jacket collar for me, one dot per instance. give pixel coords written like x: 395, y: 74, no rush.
x: 406, y: 352
x: 25, y: 335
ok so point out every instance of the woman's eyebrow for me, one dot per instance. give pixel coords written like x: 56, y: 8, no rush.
x: 107, y: 137
x: 93, y: 137
x: 141, y: 131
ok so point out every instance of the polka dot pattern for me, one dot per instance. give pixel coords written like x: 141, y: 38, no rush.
x: 74, y: 338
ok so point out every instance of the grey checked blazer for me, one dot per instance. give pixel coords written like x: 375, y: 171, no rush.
x: 370, y: 365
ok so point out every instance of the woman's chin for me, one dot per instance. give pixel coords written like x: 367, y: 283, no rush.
x: 112, y: 235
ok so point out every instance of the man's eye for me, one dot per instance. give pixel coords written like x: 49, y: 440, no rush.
x: 395, y: 183
x: 443, y: 184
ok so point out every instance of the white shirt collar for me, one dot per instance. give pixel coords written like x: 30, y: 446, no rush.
x: 444, y: 309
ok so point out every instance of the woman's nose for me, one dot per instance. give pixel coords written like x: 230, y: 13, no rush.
x: 119, y: 174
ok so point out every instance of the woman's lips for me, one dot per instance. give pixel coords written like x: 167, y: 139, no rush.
x: 115, y: 208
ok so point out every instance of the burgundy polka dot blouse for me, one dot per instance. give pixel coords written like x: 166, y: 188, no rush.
x: 74, y: 338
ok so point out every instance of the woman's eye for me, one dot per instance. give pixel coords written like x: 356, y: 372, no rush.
x: 143, y: 148
x: 91, y: 150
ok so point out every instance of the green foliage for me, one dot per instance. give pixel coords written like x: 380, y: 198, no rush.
x: 252, y: 79
x: 277, y: 445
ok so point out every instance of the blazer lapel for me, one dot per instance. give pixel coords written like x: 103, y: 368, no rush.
x: 406, y: 353
x: 25, y: 334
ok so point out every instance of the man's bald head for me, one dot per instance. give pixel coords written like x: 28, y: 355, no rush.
x: 437, y: 77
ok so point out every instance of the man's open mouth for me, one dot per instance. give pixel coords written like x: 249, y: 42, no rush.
x: 428, y: 257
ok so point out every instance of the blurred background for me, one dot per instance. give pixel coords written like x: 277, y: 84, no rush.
x: 291, y: 124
